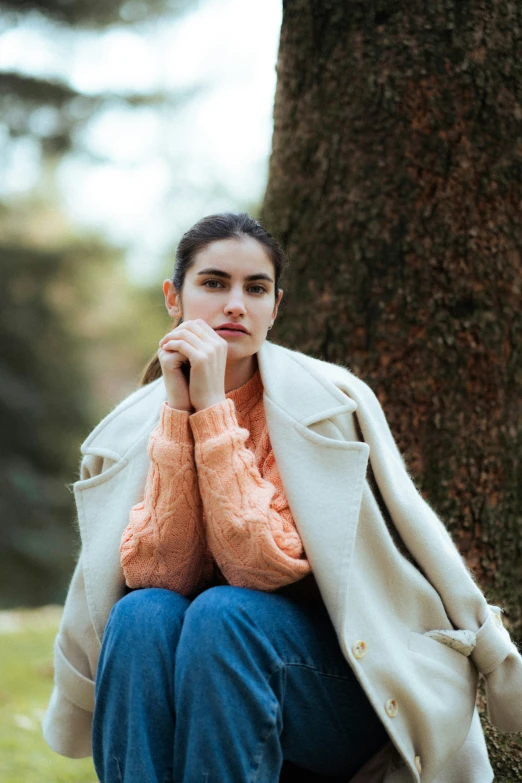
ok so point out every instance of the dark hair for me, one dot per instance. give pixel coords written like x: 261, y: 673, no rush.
x: 224, y: 225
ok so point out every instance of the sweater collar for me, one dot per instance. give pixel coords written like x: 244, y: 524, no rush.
x: 246, y: 395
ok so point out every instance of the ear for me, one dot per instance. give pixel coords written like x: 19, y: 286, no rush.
x: 276, y: 306
x: 172, y: 299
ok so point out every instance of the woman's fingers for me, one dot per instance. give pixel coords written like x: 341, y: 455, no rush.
x: 198, y: 329
x: 175, y: 333
x: 203, y: 344
x: 206, y: 352
x: 179, y: 341
x: 171, y: 355
x: 185, y: 348
x: 183, y: 336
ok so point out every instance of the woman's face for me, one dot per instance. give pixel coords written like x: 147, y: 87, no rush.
x: 217, y: 290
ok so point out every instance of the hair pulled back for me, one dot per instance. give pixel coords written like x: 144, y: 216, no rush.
x: 222, y: 225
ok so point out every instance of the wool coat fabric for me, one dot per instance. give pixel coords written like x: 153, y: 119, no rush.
x: 409, y: 617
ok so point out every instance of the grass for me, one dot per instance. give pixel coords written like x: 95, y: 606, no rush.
x: 26, y: 680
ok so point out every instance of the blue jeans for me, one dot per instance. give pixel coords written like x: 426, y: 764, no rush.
x: 222, y: 688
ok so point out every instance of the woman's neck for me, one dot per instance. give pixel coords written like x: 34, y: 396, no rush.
x: 240, y: 372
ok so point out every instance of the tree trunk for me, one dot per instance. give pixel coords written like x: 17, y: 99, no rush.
x: 395, y: 184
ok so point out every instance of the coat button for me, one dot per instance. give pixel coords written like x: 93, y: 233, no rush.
x: 418, y: 765
x: 359, y: 649
x: 392, y: 708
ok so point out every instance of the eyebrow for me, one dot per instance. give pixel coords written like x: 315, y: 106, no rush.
x: 220, y: 273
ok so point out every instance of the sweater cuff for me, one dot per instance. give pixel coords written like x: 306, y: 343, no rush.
x: 214, y: 420
x: 174, y: 425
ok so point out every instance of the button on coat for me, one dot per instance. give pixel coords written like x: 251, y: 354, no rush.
x: 392, y: 708
x: 359, y: 649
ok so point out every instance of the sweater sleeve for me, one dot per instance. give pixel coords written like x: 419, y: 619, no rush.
x: 164, y: 543
x: 249, y: 526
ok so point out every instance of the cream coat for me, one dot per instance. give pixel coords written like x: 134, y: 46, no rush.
x: 373, y: 592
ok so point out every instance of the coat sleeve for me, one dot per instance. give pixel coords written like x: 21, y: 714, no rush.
x: 495, y: 655
x: 67, y: 724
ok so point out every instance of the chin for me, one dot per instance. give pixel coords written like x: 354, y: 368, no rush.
x: 235, y: 353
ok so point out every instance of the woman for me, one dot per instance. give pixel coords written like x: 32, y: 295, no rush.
x: 287, y: 597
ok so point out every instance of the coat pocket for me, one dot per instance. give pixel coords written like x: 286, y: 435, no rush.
x: 326, y: 433
x: 447, y: 656
x: 96, y: 469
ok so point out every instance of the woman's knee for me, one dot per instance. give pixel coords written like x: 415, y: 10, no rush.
x: 216, y: 618
x: 143, y: 614
x: 216, y: 605
x: 222, y: 646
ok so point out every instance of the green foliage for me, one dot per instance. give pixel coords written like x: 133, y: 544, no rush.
x: 74, y: 337
x: 43, y: 416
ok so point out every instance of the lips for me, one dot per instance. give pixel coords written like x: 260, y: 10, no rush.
x: 231, y: 328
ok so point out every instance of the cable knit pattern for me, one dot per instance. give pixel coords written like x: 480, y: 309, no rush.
x: 213, y: 497
x: 164, y: 543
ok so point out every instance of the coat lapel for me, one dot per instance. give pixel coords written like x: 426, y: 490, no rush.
x: 323, y: 477
x: 292, y: 386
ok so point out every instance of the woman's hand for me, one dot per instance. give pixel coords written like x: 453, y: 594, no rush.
x: 176, y: 384
x: 206, y: 352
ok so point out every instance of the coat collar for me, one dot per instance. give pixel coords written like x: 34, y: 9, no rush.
x: 290, y: 382
x: 321, y: 464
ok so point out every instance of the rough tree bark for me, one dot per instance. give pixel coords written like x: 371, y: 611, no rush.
x: 395, y: 184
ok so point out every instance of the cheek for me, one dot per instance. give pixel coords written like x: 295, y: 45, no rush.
x: 269, y: 310
x: 261, y: 315
x: 266, y: 307
x: 200, y: 301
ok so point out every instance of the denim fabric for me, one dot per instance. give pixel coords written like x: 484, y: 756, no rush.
x: 222, y: 688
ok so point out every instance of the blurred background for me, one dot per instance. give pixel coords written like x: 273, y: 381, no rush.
x: 121, y: 124
x: 394, y: 183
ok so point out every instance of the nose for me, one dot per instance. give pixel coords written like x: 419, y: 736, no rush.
x: 235, y: 304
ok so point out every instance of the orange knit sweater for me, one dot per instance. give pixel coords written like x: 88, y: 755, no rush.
x: 213, y: 496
